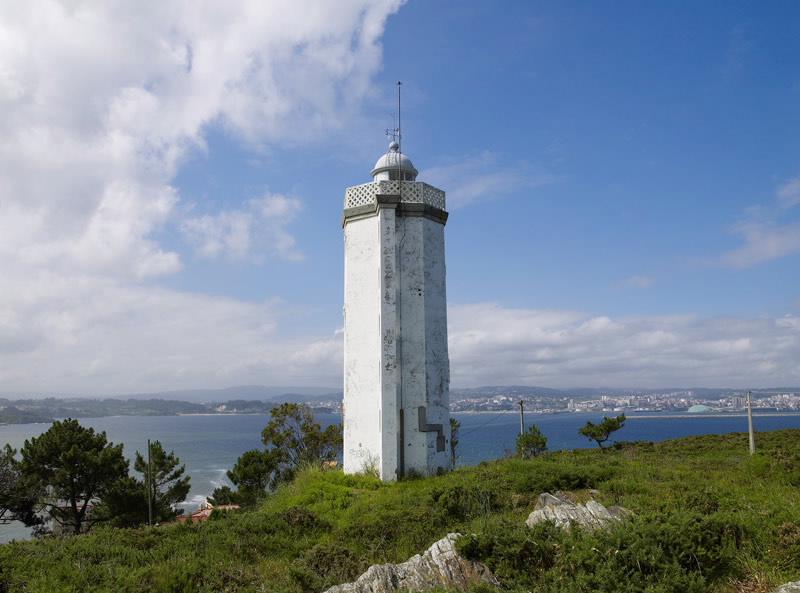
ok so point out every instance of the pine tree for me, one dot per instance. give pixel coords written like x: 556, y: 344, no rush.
x: 531, y: 443
x: 70, y: 469
x: 600, y: 433
x: 168, y: 483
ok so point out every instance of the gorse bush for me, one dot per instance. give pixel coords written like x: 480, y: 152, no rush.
x: 673, y: 552
x: 531, y: 443
x: 325, y: 565
x: 459, y: 503
x: 515, y: 553
x: 707, y: 517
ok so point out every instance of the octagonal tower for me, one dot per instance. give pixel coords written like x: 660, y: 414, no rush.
x: 396, y: 365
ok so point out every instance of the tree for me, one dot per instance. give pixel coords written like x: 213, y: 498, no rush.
x: 297, y: 439
x: 292, y: 439
x: 17, y: 502
x: 168, y: 484
x: 531, y: 443
x: 9, y: 482
x: 124, y: 504
x: 223, y: 495
x: 71, y: 468
x: 601, y: 432
x: 254, y: 473
x: 455, y: 426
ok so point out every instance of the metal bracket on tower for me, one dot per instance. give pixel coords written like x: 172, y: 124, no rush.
x: 425, y: 427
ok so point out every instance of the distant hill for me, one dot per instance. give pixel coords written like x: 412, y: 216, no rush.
x: 457, y: 393
x: 239, y: 392
x: 313, y: 395
x: 246, y: 392
x: 25, y: 411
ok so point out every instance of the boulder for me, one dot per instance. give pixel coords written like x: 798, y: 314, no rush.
x: 439, y: 567
x: 789, y: 588
x: 559, y: 509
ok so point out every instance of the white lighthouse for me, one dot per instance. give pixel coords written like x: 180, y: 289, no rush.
x: 396, y: 366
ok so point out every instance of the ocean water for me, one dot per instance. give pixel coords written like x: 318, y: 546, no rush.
x: 210, y: 445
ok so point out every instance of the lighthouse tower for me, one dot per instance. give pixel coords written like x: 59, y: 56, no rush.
x: 396, y: 366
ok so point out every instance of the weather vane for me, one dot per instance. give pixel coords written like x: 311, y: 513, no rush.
x: 393, y: 132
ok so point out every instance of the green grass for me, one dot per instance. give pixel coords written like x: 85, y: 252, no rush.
x: 708, y: 517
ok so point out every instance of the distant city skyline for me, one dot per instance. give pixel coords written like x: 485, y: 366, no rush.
x: 624, y: 187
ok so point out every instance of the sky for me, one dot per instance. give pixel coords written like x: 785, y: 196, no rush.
x: 623, y: 182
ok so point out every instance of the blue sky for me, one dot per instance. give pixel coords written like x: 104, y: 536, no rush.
x: 652, y: 131
x: 626, y: 175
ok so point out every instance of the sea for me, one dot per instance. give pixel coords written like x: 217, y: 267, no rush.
x: 210, y: 444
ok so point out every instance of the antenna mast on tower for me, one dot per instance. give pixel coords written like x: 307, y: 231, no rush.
x: 399, y: 126
x: 399, y: 135
x: 396, y: 135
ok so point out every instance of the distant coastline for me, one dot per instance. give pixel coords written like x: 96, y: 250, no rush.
x: 44, y: 411
x: 717, y: 415
x: 630, y: 415
x: 538, y: 402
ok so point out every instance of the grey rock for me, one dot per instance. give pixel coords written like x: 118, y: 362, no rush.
x: 440, y: 566
x: 789, y: 588
x: 561, y: 511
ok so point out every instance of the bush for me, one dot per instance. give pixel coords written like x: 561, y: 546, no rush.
x: 516, y: 554
x: 662, y: 552
x: 303, y: 519
x: 531, y: 443
x: 325, y: 565
x: 788, y: 548
x: 460, y: 503
x: 535, y: 478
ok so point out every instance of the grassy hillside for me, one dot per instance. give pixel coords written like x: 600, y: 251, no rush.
x: 707, y: 518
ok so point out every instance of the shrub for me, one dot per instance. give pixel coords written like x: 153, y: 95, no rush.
x: 531, y: 443
x: 303, y: 519
x: 658, y: 552
x: 325, y: 565
x: 516, y: 554
x: 788, y: 548
x: 460, y: 502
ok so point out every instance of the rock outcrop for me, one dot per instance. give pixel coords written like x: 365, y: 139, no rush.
x: 563, y: 512
x: 440, y: 566
x: 789, y: 588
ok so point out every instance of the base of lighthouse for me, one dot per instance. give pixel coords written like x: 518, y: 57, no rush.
x: 396, y: 368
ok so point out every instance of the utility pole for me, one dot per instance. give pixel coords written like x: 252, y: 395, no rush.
x: 149, y: 486
x: 521, y: 417
x: 750, y: 423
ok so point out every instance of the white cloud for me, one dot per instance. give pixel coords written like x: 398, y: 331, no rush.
x: 490, y: 344
x: 260, y: 225
x: 639, y: 281
x: 83, y: 334
x: 472, y: 178
x: 789, y: 192
x: 763, y: 242
x: 766, y: 233
x: 101, y: 102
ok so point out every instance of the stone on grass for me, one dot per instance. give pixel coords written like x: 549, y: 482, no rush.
x: 561, y: 511
x: 439, y: 567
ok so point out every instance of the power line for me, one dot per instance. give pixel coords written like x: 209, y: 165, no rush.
x: 487, y: 423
